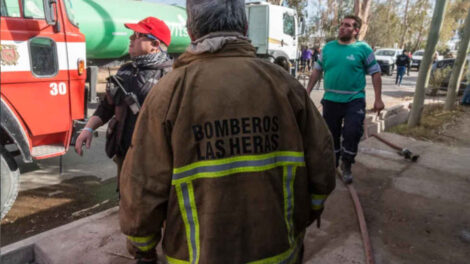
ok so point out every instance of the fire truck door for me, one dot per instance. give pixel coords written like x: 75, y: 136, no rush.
x: 38, y: 82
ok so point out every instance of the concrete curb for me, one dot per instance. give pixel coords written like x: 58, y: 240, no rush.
x: 26, y: 251
x: 389, y: 117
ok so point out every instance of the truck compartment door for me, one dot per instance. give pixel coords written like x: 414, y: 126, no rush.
x: 258, y: 22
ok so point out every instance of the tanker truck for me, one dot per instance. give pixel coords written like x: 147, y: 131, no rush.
x: 102, y: 23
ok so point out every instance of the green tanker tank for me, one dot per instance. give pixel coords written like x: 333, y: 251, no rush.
x: 102, y: 23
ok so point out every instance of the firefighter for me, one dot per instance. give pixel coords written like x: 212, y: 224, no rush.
x: 126, y: 91
x: 345, y: 63
x: 229, y: 151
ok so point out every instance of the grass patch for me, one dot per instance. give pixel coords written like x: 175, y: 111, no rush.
x: 434, y: 122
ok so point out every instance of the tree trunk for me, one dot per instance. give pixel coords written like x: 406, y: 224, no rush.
x: 425, y: 67
x: 454, y: 82
x: 361, y: 9
x: 357, y: 7
x: 404, y: 25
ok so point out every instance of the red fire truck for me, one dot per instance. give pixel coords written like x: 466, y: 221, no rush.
x: 43, y: 94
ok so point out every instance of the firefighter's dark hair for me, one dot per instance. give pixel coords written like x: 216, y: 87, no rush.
x: 207, y: 16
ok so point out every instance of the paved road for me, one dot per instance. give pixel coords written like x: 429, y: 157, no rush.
x: 95, y: 162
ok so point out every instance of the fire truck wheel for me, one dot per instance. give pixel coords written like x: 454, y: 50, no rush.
x: 10, y: 180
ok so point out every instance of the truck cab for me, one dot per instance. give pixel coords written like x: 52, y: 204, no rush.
x: 273, y: 31
x: 43, y: 85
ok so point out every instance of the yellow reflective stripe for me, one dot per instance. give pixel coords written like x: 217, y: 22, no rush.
x: 187, y: 203
x: 319, y: 196
x: 235, y: 170
x: 318, y: 200
x: 145, y: 239
x: 143, y: 243
x: 148, y: 247
x: 171, y: 260
x: 241, y: 164
x: 287, y: 257
x: 195, y: 220
x: 238, y: 158
x: 288, y: 178
x: 179, y: 194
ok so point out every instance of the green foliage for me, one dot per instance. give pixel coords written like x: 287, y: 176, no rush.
x: 439, y: 76
x: 453, y: 21
x: 324, y: 23
x: 384, y: 26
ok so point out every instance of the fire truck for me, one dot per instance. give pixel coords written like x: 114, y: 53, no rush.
x: 42, y: 86
x: 45, y: 46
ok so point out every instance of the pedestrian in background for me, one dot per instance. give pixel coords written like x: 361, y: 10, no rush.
x: 410, y: 55
x: 126, y: 91
x: 283, y: 62
x: 229, y: 151
x: 306, y: 58
x: 316, y: 54
x: 345, y: 63
x: 402, y: 62
x: 466, y: 92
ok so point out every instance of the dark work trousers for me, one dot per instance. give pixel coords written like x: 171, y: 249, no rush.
x: 347, y: 120
x: 119, y: 161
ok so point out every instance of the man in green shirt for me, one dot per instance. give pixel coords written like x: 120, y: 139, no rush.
x: 345, y: 63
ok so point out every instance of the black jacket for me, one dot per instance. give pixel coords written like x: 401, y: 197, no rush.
x: 403, y: 60
x: 137, y: 80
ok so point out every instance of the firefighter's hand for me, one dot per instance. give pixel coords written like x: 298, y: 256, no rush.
x: 378, y: 105
x: 85, y: 137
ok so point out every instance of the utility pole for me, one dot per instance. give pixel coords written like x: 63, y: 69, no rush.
x: 457, y: 70
x: 425, y: 67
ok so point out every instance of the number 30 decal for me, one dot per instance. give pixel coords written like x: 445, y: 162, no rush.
x: 58, y: 89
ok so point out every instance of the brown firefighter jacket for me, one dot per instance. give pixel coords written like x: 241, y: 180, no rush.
x: 231, y: 153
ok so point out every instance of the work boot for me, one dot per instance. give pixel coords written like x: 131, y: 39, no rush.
x: 347, y: 173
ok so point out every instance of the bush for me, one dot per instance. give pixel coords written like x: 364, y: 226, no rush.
x: 437, y: 79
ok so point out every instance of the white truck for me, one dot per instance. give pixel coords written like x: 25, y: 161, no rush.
x: 274, y: 31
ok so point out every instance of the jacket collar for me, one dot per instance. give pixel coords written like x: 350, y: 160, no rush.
x: 217, y: 44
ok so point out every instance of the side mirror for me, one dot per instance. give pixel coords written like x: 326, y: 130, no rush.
x: 50, y: 15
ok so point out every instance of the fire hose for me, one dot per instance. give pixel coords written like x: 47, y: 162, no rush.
x: 362, y: 221
x: 407, y: 154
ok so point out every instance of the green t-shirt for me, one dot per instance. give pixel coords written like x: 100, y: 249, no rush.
x: 345, y: 68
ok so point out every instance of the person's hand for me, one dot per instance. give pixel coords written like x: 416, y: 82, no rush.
x: 84, y: 137
x: 378, y: 105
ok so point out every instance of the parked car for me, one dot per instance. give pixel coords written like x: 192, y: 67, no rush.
x: 386, y: 59
x: 449, y: 63
x: 417, y: 57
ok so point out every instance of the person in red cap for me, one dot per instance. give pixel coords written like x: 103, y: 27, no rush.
x: 126, y: 91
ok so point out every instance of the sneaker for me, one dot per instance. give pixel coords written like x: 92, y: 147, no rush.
x: 347, y: 173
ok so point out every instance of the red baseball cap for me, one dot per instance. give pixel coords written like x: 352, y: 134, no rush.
x: 153, y: 26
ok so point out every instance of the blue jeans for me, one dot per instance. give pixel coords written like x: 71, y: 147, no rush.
x: 401, y: 70
x: 466, y: 95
